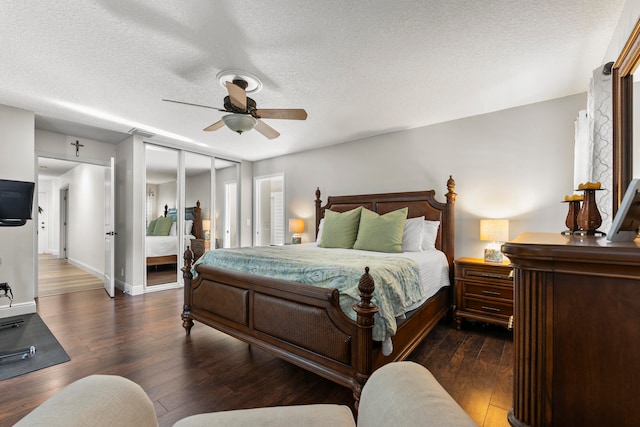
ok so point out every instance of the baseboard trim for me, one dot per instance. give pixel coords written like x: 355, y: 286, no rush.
x: 86, y: 268
x: 17, y: 309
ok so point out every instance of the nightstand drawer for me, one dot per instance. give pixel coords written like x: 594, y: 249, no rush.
x: 493, y: 308
x: 488, y: 273
x: 488, y: 291
x: 484, y: 291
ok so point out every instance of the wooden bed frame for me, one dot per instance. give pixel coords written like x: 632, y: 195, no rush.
x: 303, y: 324
x: 196, y: 231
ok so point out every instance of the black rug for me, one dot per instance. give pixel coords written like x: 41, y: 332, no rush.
x: 31, y: 332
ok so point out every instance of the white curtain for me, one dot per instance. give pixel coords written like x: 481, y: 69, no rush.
x: 594, y: 143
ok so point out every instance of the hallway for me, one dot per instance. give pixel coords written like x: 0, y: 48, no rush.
x: 58, y: 276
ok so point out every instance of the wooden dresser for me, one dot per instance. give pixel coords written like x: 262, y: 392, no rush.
x: 484, y: 291
x: 576, y: 331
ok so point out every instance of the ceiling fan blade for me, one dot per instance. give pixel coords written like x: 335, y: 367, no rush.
x: 266, y: 130
x: 195, y: 105
x: 217, y: 125
x: 281, y: 113
x: 237, y: 95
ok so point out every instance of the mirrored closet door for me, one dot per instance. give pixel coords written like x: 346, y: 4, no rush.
x: 161, y: 215
x: 198, y: 202
x: 187, y: 205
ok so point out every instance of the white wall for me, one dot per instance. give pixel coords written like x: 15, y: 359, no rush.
x: 55, y: 145
x: 17, y: 244
x: 626, y: 23
x: 515, y: 164
x: 246, y: 203
x: 130, y: 215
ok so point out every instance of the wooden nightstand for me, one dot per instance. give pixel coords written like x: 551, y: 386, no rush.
x: 484, y: 291
x: 199, y: 247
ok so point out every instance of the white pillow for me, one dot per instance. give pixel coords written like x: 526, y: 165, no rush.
x: 429, y: 234
x: 412, y: 235
x: 172, y: 231
x: 188, y: 225
x: 319, y: 232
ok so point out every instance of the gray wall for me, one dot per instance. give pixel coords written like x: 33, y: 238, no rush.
x: 17, y: 244
x: 515, y: 164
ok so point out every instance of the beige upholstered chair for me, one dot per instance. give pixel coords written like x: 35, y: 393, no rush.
x: 398, y: 394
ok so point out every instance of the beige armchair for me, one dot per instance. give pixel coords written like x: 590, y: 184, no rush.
x: 398, y: 394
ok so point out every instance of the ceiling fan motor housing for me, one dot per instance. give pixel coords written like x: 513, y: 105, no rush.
x: 228, y: 105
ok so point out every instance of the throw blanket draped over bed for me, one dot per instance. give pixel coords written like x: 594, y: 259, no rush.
x: 397, y: 279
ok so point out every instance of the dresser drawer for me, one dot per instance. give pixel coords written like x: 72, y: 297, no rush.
x: 488, y: 291
x: 490, y: 307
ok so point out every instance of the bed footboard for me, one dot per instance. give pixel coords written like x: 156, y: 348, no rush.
x: 299, y: 323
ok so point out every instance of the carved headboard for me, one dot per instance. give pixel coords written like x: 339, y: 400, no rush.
x: 420, y: 203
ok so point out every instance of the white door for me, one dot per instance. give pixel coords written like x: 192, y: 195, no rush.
x: 231, y: 215
x: 269, y: 210
x: 109, y: 229
x: 43, y: 222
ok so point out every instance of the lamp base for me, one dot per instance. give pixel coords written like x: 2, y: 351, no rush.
x: 493, y: 255
x: 296, y: 240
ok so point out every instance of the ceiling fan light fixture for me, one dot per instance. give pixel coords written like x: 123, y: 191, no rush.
x: 239, y: 122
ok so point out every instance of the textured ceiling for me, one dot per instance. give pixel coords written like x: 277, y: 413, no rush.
x: 359, y: 68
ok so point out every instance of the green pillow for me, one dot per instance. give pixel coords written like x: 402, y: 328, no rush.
x: 151, y: 226
x: 340, y: 229
x: 381, y: 233
x: 163, y: 225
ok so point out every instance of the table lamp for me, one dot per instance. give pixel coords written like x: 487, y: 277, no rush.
x: 494, y: 231
x: 296, y: 226
x: 206, y: 228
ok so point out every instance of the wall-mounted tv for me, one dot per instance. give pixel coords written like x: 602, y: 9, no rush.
x: 16, y: 202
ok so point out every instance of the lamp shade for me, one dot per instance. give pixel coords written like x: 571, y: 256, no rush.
x: 239, y: 122
x: 494, y: 230
x: 206, y: 224
x: 296, y: 225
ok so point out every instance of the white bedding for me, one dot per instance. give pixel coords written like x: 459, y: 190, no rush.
x: 433, y: 266
x: 164, y: 245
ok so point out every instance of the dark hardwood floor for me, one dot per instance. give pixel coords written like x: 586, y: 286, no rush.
x: 142, y: 338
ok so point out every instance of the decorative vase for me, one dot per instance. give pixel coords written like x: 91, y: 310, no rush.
x: 589, y: 218
x: 572, y: 216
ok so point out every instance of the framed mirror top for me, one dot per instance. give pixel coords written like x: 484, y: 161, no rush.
x: 623, y: 70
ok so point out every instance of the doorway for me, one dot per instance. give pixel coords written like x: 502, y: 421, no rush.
x: 70, y: 226
x: 269, y: 210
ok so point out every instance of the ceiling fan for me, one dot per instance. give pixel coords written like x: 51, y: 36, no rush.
x: 244, y: 114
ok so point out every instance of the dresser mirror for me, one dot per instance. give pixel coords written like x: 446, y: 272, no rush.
x: 623, y: 141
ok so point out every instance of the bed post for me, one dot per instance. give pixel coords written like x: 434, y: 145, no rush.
x: 318, y: 205
x: 365, y: 310
x: 187, y: 275
x: 449, y: 222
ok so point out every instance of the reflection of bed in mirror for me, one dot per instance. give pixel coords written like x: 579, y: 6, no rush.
x: 163, y: 249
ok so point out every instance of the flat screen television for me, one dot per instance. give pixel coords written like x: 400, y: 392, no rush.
x: 16, y: 202
x: 627, y: 220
